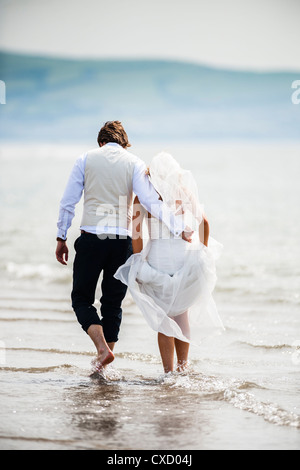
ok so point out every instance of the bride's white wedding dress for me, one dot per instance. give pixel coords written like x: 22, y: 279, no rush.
x: 172, y: 280
x: 171, y: 277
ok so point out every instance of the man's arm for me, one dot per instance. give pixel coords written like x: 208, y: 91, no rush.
x: 71, y: 197
x: 149, y: 199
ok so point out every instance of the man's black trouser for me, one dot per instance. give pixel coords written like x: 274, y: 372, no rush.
x: 93, y: 256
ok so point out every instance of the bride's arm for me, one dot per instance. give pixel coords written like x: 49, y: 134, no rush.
x: 204, y: 231
x: 137, y: 226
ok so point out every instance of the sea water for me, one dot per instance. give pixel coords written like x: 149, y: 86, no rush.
x: 242, y: 388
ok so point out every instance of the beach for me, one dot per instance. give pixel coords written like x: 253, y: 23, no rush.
x: 242, y: 389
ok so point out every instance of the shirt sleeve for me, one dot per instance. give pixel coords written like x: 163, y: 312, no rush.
x: 71, y: 197
x: 149, y: 199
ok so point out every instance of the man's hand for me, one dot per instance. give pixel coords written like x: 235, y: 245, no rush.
x: 187, y: 234
x: 62, y: 252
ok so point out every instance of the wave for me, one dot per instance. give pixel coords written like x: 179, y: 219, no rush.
x: 43, y: 440
x: 38, y: 370
x: 34, y: 299
x: 267, y: 347
x: 268, y: 296
x: 35, y: 319
x: 271, y: 412
x: 141, y: 357
x: 232, y: 391
x: 42, y: 272
x: 52, y: 351
x: 34, y: 309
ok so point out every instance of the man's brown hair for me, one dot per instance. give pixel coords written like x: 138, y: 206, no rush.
x: 113, y: 131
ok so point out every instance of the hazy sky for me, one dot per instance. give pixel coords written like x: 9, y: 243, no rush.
x: 263, y: 34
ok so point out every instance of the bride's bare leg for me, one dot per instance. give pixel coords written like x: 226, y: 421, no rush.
x: 182, y: 348
x: 167, y: 347
x: 182, y: 351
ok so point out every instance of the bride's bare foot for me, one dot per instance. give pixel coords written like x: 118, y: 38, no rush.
x: 104, y: 358
x: 182, y: 366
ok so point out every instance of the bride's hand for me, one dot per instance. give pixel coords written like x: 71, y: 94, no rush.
x: 187, y: 234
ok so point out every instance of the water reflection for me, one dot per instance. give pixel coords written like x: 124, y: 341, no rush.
x: 137, y: 414
x: 94, y: 407
x: 177, y: 412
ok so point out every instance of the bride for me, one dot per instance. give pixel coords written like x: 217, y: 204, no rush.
x: 170, y: 279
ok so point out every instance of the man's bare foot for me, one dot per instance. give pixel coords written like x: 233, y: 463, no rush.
x: 105, y: 357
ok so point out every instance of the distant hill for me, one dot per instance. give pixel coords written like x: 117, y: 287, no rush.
x: 68, y: 100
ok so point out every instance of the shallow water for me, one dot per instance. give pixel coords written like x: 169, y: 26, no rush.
x: 242, y: 389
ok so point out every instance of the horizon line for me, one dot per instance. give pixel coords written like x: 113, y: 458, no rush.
x: 221, y: 67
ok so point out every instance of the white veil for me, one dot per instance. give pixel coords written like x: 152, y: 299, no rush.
x: 177, y: 188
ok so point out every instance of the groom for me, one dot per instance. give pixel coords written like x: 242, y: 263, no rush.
x: 108, y: 176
